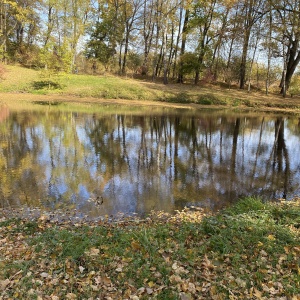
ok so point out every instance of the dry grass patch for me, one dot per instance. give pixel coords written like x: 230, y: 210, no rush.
x: 17, y: 79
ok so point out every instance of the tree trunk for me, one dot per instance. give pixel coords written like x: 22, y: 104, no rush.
x: 293, y: 59
x: 125, y: 55
x: 205, y: 38
x: 148, y: 30
x: 3, y: 31
x: 252, y: 16
x: 49, y: 25
x: 171, y: 52
x: 120, y: 57
x: 177, y: 42
x: 159, y: 62
x: 244, y: 59
x: 283, y: 79
x: 216, y: 53
x: 156, y: 60
x: 269, y: 52
x: 165, y: 63
x: 200, y: 62
x: 183, y: 42
x: 252, y: 61
x: 231, y: 42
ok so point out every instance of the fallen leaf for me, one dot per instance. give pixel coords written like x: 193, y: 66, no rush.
x: 3, y: 241
x: 174, y: 266
x: 184, y: 296
x: 240, y: 282
x: 207, y: 264
x: 71, y: 296
x: 43, y: 218
x: 149, y: 291
x: 175, y: 279
x: 44, y: 275
x: 263, y: 253
x: 192, y: 288
x: 141, y: 290
x: 94, y: 252
x: 271, y: 237
x: 213, y: 290
x: 150, y: 284
x: 135, y: 246
x: 4, y: 284
x: 81, y: 269
x: 106, y: 280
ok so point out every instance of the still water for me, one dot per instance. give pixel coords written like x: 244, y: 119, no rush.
x: 104, y: 161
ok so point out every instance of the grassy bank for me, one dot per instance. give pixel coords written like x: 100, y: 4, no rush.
x: 250, y: 251
x: 86, y: 87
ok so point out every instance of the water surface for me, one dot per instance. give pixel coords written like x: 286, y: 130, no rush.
x: 108, y: 160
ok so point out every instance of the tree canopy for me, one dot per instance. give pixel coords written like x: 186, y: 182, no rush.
x: 224, y: 40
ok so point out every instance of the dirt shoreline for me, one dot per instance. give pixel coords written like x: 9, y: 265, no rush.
x: 258, y: 103
x: 7, y: 97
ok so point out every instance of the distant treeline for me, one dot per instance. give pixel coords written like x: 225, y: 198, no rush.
x: 251, y: 42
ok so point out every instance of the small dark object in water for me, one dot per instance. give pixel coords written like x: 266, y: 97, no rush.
x: 99, y: 200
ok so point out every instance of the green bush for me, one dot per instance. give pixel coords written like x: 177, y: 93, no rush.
x: 181, y: 97
x: 209, y: 99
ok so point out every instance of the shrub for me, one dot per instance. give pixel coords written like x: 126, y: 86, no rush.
x: 294, y: 88
x: 209, y: 99
x: 181, y: 97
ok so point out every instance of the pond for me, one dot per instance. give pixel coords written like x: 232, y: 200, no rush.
x: 101, y: 160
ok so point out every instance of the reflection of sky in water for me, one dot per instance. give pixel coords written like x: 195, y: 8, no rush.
x: 149, y: 170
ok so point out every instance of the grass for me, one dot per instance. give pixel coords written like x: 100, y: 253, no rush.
x: 17, y: 79
x: 248, y: 251
x: 105, y: 87
x: 21, y: 80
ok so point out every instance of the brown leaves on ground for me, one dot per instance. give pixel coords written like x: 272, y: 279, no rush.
x: 161, y: 257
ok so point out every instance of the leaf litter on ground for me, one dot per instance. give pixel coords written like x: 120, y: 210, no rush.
x: 248, y: 251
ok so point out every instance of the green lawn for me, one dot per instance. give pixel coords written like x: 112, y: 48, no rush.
x: 18, y: 79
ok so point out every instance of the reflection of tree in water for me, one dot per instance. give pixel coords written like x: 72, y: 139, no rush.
x: 15, y: 161
x: 281, y: 164
x: 139, y: 163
